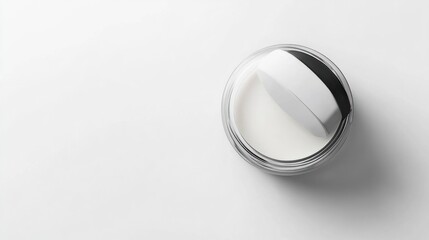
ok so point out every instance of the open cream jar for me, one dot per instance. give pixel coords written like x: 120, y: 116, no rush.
x: 287, y: 109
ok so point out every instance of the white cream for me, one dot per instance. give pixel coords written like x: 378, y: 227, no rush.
x: 299, y: 92
x: 266, y: 127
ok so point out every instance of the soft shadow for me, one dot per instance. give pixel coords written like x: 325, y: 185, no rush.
x: 361, y: 168
x: 355, y: 187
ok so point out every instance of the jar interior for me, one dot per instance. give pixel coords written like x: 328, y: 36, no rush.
x: 264, y: 126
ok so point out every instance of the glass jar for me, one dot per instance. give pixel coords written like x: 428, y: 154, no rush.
x: 288, y: 150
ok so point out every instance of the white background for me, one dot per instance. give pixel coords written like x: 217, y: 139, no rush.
x: 110, y: 122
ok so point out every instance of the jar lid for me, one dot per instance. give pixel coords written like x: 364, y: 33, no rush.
x: 287, y: 109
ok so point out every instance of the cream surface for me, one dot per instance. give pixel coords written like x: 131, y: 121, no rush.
x: 269, y: 129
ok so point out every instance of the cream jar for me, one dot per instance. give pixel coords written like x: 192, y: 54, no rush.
x: 287, y: 109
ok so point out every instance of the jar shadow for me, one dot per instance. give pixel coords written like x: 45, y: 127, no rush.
x: 364, y: 184
x: 359, y: 169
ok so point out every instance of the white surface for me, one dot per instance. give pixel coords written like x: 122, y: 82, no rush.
x: 110, y: 121
x: 299, y: 92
